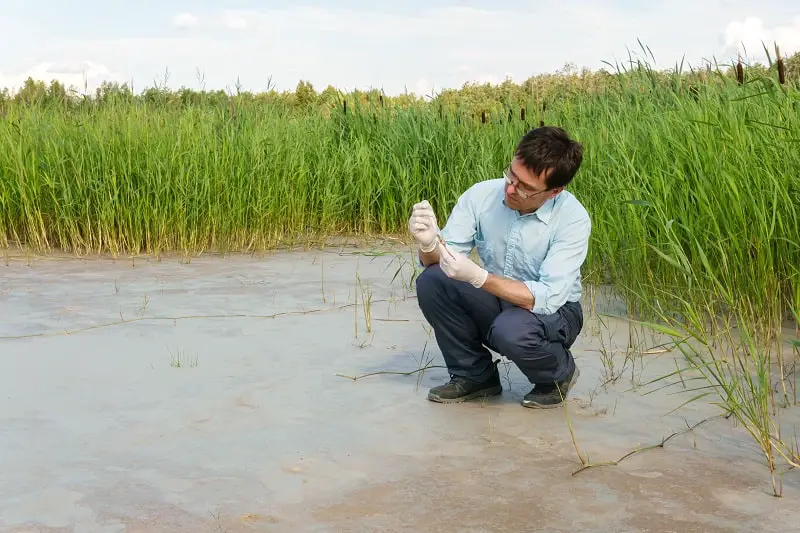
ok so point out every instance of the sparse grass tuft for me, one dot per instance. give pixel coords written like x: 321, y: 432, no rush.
x: 181, y: 358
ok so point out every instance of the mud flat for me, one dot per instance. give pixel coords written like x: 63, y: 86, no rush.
x: 218, y: 395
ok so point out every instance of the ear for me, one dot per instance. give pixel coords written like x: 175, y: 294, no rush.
x: 556, y: 191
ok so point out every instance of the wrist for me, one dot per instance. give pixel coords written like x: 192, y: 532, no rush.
x: 480, y: 278
x: 427, y: 249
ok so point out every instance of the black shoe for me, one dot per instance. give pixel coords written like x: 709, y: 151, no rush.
x: 549, y: 396
x: 460, y: 389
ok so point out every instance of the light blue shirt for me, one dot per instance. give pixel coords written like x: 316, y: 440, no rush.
x: 544, y: 249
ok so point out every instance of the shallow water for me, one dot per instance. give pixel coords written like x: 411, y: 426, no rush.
x: 103, y: 430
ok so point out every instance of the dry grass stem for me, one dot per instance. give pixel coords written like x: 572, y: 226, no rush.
x: 187, y: 317
x: 586, y: 465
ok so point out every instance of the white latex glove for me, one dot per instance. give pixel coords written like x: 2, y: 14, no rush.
x: 458, y: 266
x: 423, y: 226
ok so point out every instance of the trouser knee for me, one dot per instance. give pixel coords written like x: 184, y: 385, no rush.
x: 531, y: 342
x: 516, y: 341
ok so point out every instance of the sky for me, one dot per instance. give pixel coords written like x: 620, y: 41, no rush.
x: 416, y: 46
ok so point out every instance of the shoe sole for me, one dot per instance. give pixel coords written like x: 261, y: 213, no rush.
x: 534, y: 405
x: 485, y: 393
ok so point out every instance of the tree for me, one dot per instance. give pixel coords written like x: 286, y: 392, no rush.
x: 305, y: 94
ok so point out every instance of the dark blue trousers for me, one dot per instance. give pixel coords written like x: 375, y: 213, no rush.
x: 466, y: 320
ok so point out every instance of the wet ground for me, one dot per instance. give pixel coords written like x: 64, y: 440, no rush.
x: 214, y: 396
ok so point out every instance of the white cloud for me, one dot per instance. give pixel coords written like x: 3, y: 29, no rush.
x: 184, y: 20
x: 493, y: 78
x: 83, y: 77
x: 70, y: 68
x: 437, y: 47
x: 236, y: 21
x: 750, y: 35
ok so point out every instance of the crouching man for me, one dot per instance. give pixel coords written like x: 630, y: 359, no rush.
x: 524, y: 302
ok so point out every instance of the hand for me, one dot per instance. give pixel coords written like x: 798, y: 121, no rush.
x: 458, y: 266
x: 423, y: 226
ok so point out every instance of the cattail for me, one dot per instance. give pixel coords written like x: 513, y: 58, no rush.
x: 510, y: 114
x: 781, y: 67
x: 522, y: 114
x: 740, y: 71
x: 344, y: 106
x: 381, y: 99
x: 541, y: 123
x: 483, y: 117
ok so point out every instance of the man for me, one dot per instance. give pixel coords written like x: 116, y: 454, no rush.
x: 524, y: 302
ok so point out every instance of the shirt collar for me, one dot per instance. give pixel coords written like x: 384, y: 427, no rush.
x: 544, y: 213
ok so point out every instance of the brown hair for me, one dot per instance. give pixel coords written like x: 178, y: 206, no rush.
x: 549, y: 148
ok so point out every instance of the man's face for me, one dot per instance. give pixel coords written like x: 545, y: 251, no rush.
x: 525, y: 191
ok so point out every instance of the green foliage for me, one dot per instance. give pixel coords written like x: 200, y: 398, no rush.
x: 305, y: 94
x: 690, y: 178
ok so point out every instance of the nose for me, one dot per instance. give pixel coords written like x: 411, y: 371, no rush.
x: 511, y: 189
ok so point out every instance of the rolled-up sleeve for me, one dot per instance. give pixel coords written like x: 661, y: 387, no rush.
x: 459, y: 232
x: 562, y: 266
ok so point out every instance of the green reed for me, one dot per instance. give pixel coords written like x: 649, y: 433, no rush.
x: 686, y: 193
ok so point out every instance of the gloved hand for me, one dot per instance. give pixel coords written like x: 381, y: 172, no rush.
x: 423, y: 226
x: 458, y: 266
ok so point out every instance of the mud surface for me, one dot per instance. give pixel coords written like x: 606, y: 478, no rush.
x: 145, y: 396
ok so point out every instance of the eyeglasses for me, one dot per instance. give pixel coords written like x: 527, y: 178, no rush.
x: 523, y: 190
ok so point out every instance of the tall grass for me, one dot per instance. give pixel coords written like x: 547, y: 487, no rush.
x: 689, y: 192
x: 694, y: 190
